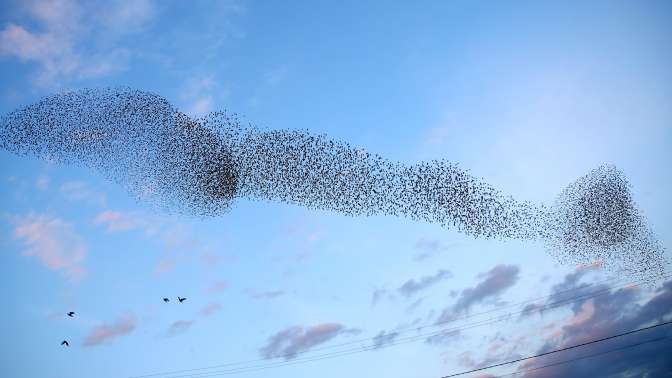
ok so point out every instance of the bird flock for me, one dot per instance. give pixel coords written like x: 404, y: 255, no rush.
x: 201, y: 166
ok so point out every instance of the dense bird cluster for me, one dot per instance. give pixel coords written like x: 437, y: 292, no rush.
x: 200, y: 166
x: 596, y: 217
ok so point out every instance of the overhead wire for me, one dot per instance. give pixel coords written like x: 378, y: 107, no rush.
x: 585, y: 357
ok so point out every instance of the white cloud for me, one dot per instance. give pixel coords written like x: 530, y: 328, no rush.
x: 118, y: 221
x: 438, y: 135
x: 276, y: 75
x: 54, y: 243
x: 53, y: 52
x: 200, y: 107
x: 42, y: 182
x: 128, y: 16
x: 80, y: 191
x: 58, y: 15
x: 69, y: 44
x: 197, y: 95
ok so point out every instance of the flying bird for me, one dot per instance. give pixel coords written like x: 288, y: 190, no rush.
x: 166, y: 300
x: 181, y: 299
x: 65, y: 343
x: 71, y: 314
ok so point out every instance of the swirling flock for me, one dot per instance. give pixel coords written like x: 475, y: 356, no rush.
x: 201, y: 166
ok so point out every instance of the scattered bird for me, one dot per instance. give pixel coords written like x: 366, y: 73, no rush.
x: 181, y: 299
x: 65, y: 343
x: 71, y: 314
x: 166, y: 300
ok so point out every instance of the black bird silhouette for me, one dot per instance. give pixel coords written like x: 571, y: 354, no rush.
x: 65, y: 343
x: 181, y: 299
x: 166, y: 300
x: 71, y: 314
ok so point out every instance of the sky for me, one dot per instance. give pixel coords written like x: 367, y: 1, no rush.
x: 528, y: 96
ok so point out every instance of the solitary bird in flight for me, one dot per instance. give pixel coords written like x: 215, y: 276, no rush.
x: 166, y: 300
x: 181, y: 299
x: 65, y: 343
x: 71, y: 314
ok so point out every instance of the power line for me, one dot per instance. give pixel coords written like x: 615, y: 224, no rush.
x: 558, y: 350
x: 405, y: 329
x: 399, y: 341
x: 276, y: 364
x: 194, y: 373
x: 585, y: 357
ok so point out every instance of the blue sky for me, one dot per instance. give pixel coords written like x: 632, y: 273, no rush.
x: 527, y: 95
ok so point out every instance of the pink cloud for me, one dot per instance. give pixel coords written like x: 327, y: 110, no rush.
x: 105, y: 332
x: 82, y: 192
x: 54, y: 243
x: 42, y: 182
